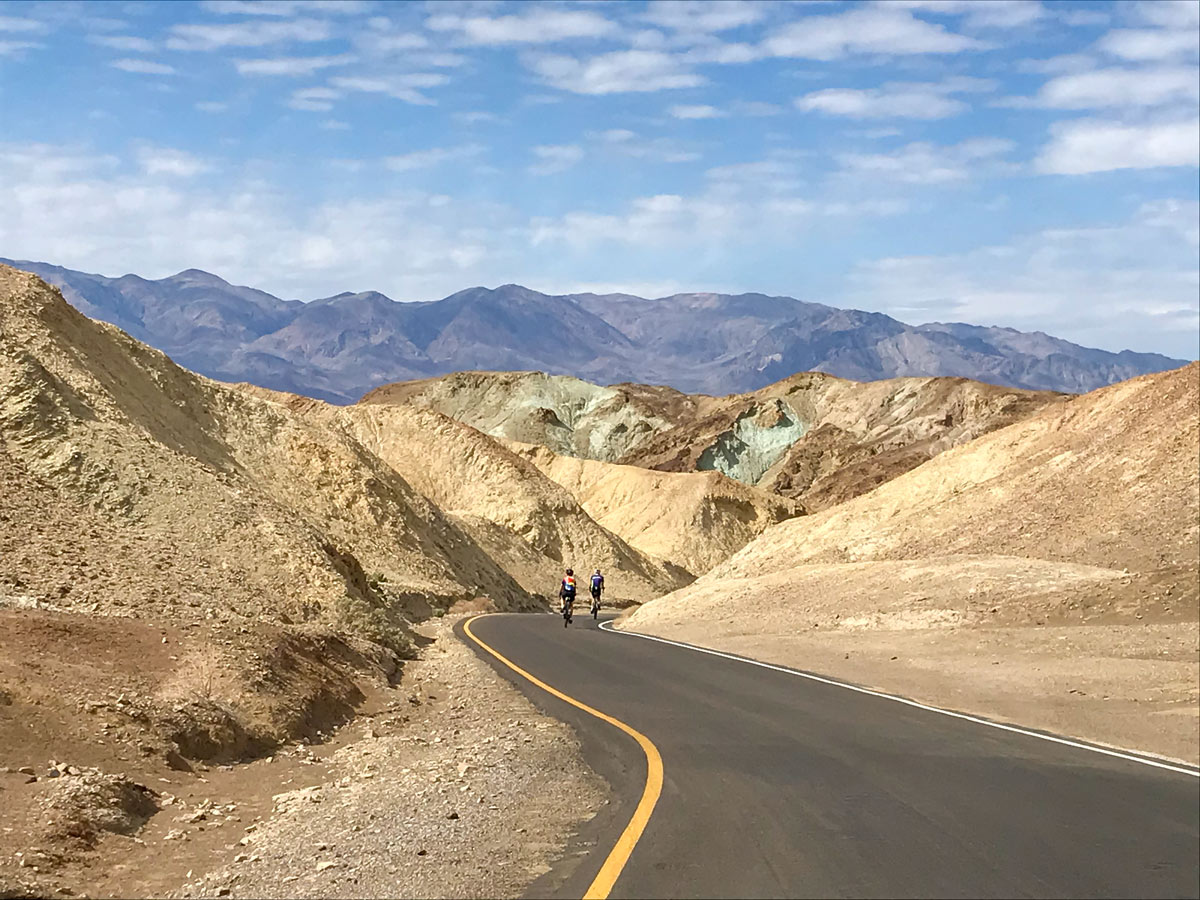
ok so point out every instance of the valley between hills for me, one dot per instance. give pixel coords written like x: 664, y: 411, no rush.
x: 228, y: 667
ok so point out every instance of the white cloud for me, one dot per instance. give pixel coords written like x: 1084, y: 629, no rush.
x: 887, y: 31
x: 246, y: 34
x: 434, y: 156
x: 714, y: 51
x: 896, y: 100
x: 1057, y: 65
x: 1182, y: 14
x: 126, y: 42
x: 623, y: 142
x: 1083, y: 146
x: 335, y: 125
x: 1138, y: 277
x: 1115, y: 87
x: 756, y: 108
x: 555, y: 158
x: 622, y: 71
x: 314, y: 99
x: 82, y: 212
x: 18, y: 48
x: 704, y: 16
x: 143, y: 67
x: 695, y: 112
x: 291, y: 65
x: 285, y: 8
x: 21, y: 24
x: 699, y: 224
x: 384, y: 43
x: 924, y: 163
x: 212, y: 106
x: 168, y: 161
x: 536, y: 25
x: 1150, y: 44
x: 980, y: 13
x: 882, y: 103
x: 474, y: 117
x: 401, y: 87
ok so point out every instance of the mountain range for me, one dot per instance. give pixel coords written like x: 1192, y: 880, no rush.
x: 338, y: 348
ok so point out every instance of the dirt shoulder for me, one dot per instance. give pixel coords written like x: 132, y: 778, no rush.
x: 1132, y: 686
x: 446, y: 783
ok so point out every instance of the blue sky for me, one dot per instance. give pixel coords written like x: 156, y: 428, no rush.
x: 1028, y: 164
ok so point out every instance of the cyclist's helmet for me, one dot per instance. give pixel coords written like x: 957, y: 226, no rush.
x: 570, y: 571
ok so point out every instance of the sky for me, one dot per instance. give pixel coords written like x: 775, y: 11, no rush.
x: 1018, y: 163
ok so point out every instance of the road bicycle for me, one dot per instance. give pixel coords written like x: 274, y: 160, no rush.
x: 568, y: 603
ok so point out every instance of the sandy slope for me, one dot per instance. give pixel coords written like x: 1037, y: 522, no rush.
x: 1086, y: 514
x: 247, y: 508
x: 694, y: 519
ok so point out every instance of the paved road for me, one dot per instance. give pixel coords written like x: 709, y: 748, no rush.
x: 778, y: 786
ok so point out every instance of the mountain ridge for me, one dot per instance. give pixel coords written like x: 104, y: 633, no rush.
x: 340, y: 347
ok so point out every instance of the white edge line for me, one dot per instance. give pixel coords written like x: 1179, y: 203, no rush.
x: 607, y: 626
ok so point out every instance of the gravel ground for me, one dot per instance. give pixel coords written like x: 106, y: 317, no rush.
x: 459, y: 788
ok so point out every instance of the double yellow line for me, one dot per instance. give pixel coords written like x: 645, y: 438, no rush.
x: 603, y: 883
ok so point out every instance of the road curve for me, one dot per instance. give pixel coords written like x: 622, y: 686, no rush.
x: 778, y: 786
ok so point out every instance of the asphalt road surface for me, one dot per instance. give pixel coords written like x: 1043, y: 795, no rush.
x: 779, y: 786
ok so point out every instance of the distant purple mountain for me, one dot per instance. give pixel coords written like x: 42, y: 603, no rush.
x: 340, y: 347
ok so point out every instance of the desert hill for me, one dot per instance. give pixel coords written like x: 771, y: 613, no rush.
x: 694, y: 519
x: 569, y: 416
x: 1062, y: 549
x: 1101, y: 491
x: 529, y: 524
x: 246, y: 508
x: 338, y: 348
x: 812, y: 437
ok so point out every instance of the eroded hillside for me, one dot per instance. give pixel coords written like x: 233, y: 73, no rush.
x: 528, y: 523
x: 695, y: 519
x: 196, y: 583
x: 1070, y: 539
x: 812, y: 437
x: 278, y: 517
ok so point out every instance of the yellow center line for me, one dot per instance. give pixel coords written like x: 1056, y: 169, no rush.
x: 603, y: 883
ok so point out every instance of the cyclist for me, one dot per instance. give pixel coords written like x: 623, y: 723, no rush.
x: 566, y: 593
x: 597, y: 590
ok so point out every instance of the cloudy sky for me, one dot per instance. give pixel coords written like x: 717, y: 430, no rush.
x: 1021, y: 163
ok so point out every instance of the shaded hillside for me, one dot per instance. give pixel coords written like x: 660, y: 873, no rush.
x: 340, y: 347
x: 218, y: 500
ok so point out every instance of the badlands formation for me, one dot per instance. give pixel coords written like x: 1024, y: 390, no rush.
x: 199, y: 579
x: 1046, y: 572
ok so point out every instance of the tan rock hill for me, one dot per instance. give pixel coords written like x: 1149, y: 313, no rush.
x: 1087, y: 511
x: 812, y: 437
x: 197, y: 496
x: 822, y: 440
x: 531, y: 525
x: 570, y: 416
x: 694, y: 519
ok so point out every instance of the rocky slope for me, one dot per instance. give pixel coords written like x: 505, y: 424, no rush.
x: 529, y: 524
x: 813, y: 438
x: 340, y: 347
x: 1087, y: 511
x: 244, y: 507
